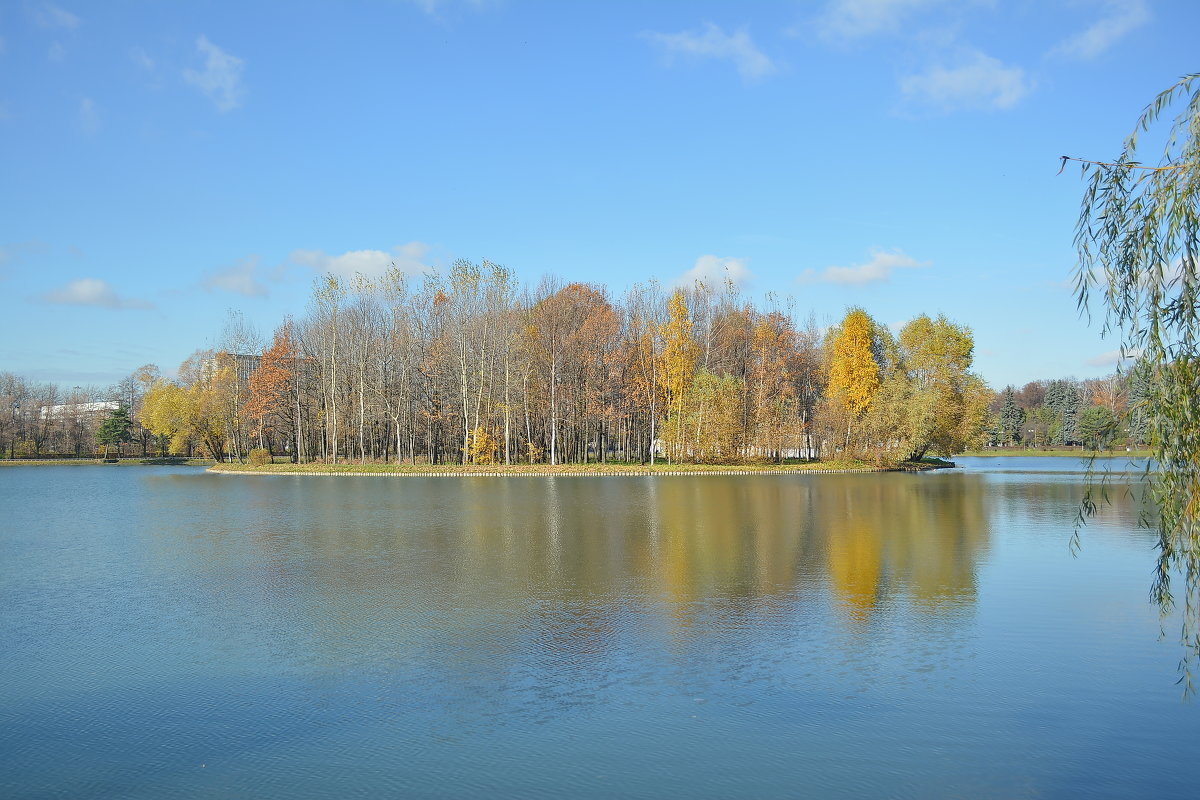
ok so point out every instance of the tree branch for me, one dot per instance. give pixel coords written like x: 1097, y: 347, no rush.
x: 1065, y: 159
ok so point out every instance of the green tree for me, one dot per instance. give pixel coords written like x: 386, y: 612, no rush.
x: 115, y: 429
x: 1138, y: 414
x: 1096, y: 427
x: 1063, y: 400
x: 1138, y: 240
x: 947, y: 403
x: 1012, y: 419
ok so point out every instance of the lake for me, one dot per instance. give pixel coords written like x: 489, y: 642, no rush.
x: 167, y: 632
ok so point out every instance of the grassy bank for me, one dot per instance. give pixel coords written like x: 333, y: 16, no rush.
x: 93, y: 462
x: 1055, y: 451
x: 545, y: 470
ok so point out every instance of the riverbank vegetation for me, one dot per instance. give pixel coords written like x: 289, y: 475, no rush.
x: 1060, y: 452
x: 1099, y: 414
x: 609, y: 468
x: 474, y: 368
x: 169, y: 461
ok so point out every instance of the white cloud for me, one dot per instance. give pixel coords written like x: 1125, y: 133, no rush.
x: 221, y: 78
x: 89, y: 117
x: 855, y: 19
x: 92, y: 292
x: 1121, y: 17
x: 714, y: 271
x: 240, y: 278
x: 978, y: 82
x: 1113, y: 357
x: 51, y: 16
x: 712, y: 42
x: 878, y: 270
x: 408, y: 258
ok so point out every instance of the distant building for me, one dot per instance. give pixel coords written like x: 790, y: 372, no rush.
x: 244, y: 364
x: 103, y: 407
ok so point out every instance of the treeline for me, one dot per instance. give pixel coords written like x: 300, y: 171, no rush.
x: 44, y: 419
x: 472, y: 366
x: 1098, y: 413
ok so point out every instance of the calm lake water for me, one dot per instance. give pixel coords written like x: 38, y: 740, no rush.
x: 169, y: 633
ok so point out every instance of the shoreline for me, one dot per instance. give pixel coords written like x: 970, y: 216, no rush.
x: 560, y: 471
x: 136, y: 461
x: 1016, y: 452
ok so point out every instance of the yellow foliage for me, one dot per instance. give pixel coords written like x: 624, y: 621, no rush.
x: 678, y: 369
x: 853, y: 371
x: 194, y: 412
x: 482, y: 447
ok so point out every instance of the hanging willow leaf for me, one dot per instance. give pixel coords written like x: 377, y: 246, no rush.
x: 1138, y: 239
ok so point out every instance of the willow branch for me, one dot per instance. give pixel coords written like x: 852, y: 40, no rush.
x: 1065, y: 159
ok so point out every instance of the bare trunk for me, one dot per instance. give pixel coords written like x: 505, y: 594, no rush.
x: 553, y: 412
x: 507, y: 434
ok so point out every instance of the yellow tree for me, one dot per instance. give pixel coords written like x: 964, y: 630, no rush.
x: 195, y: 408
x: 163, y: 414
x: 678, y: 368
x: 853, y: 368
x: 716, y: 403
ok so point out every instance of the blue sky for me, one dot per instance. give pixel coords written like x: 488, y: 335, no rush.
x: 162, y: 163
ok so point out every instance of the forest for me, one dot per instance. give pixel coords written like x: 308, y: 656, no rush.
x: 1096, y: 414
x: 472, y: 366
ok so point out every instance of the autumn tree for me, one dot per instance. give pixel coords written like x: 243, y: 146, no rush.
x: 195, y: 407
x: 716, y: 408
x: 772, y: 385
x: 329, y: 294
x: 271, y: 390
x: 678, y: 370
x: 947, y: 403
x: 853, y: 368
x: 471, y: 366
x: 641, y: 352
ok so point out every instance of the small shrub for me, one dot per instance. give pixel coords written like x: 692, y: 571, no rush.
x: 260, y: 456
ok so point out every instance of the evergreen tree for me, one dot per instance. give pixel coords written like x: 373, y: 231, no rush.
x: 115, y: 429
x: 1012, y: 418
x: 1096, y: 428
x: 1062, y: 398
x: 1138, y: 416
